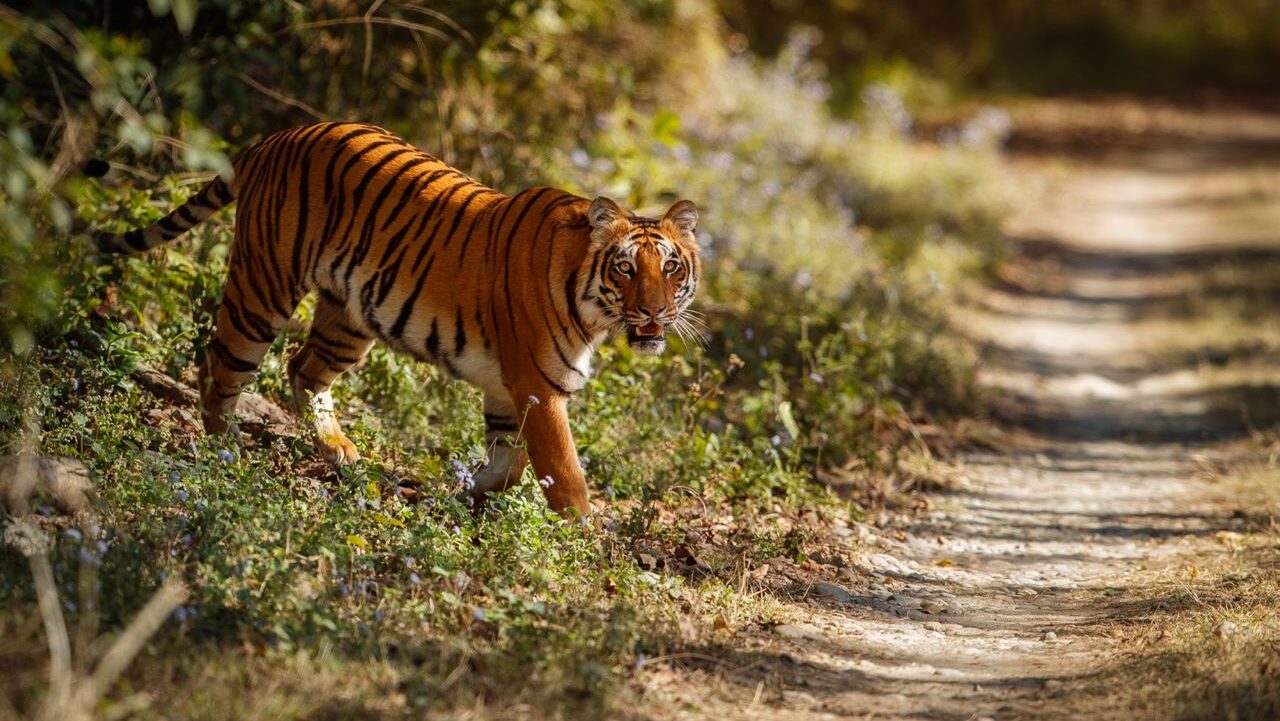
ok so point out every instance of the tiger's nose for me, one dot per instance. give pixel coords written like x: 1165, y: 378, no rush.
x: 653, y: 311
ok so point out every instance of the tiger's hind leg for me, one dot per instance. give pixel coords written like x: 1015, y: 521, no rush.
x: 334, y: 344
x: 243, y: 333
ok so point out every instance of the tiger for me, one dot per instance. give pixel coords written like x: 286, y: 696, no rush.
x: 510, y: 293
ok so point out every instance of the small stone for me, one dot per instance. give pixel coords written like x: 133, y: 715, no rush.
x: 932, y: 608
x: 1052, y: 684
x: 933, y: 626
x: 1226, y: 628
x: 1049, y: 636
x: 797, y: 631
x: 833, y: 591
x: 799, y: 698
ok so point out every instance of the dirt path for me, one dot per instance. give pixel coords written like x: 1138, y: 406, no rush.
x: 1104, y: 346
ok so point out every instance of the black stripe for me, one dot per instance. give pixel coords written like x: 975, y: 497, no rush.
x: 397, y: 329
x: 537, y: 233
x: 333, y: 359
x: 169, y: 227
x: 231, y: 361
x: 462, y: 211
x: 417, y: 224
x: 511, y: 238
x: 571, y: 301
x: 476, y: 217
x: 480, y: 324
x: 250, y: 324
x: 443, y: 199
x: 365, y: 244
x: 459, y: 334
x: 549, y: 273
x: 135, y: 240
x: 221, y: 192
x: 406, y: 197
x: 328, y: 340
x: 495, y: 230
x: 433, y: 340
x: 333, y: 160
x: 559, y: 388
x: 265, y: 288
x: 304, y: 205
x: 184, y: 215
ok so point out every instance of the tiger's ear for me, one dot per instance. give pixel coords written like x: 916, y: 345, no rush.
x: 683, y: 215
x: 603, y: 211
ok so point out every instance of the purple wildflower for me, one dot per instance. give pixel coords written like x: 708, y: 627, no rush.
x: 464, y: 476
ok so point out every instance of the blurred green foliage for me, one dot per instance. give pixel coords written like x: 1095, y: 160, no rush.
x: 930, y: 49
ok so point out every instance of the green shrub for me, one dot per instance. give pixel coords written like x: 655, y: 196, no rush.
x: 830, y: 247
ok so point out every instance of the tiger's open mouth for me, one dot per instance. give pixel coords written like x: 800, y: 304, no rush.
x: 647, y: 339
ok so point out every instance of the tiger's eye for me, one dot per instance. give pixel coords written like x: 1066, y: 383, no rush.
x: 624, y: 267
x: 670, y: 267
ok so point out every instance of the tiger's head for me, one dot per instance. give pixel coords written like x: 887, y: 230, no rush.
x: 644, y: 271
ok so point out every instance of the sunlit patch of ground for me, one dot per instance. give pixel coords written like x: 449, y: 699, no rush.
x: 1112, y: 554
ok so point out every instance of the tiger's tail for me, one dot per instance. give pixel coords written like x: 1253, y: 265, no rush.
x: 211, y: 198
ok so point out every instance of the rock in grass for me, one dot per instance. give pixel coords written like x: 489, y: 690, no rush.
x: 833, y: 591
x: 799, y: 698
x: 65, y: 480
x: 798, y: 631
x: 932, y: 608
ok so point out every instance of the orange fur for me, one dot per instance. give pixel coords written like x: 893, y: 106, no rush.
x: 510, y: 293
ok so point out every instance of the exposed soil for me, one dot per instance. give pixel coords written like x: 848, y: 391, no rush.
x: 1122, y: 385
